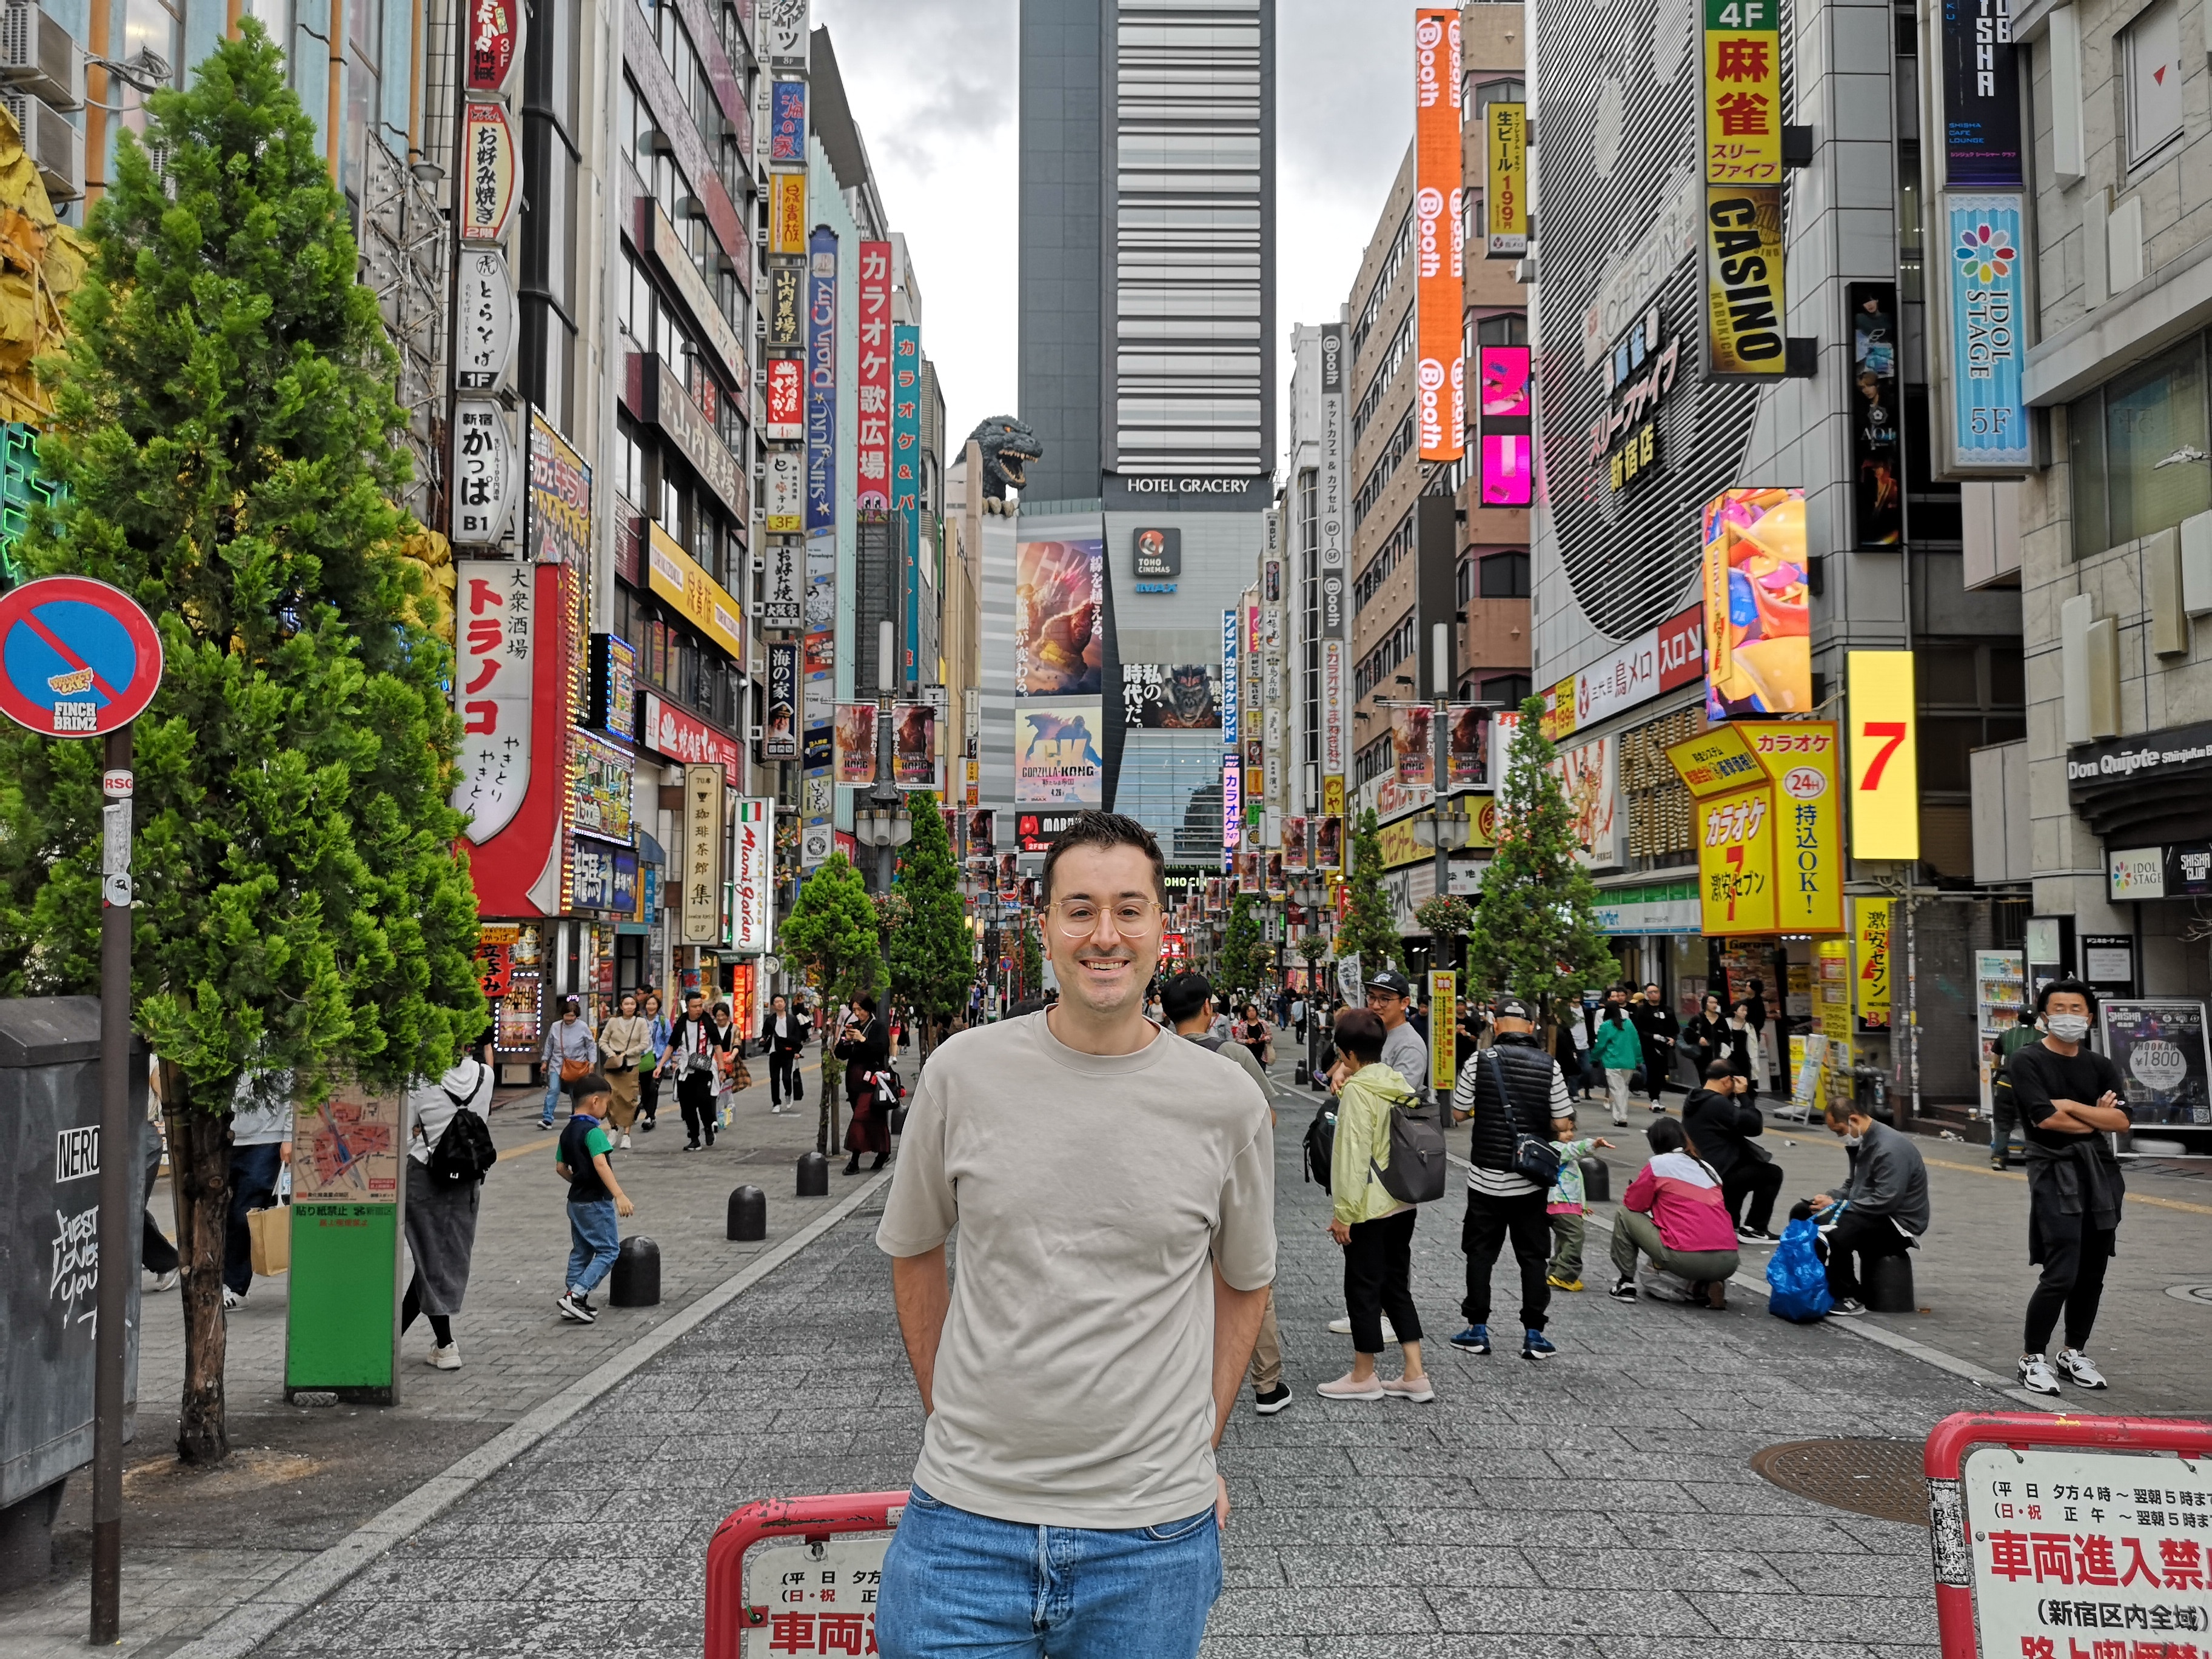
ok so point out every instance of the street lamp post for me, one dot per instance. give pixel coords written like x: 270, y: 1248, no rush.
x: 1444, y: 831
x: 1309, y: 890
x: 882, y: 823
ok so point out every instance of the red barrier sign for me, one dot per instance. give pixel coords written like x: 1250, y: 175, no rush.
x: 78, y: 659
x: 816, y: 1594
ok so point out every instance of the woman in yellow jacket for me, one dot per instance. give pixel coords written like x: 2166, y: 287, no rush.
x: 1375, y: 1229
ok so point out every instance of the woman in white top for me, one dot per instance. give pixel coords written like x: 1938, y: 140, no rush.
x: 441, y: 1213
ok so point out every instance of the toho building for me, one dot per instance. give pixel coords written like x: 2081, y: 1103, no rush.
x: 1146, y: 318
x: 1730, y: 295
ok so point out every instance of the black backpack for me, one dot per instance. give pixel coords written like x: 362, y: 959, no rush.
x: 1321, y: 1144
x: 463, y: 1154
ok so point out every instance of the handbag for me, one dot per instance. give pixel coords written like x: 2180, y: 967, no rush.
x: 1533, y: 1159
x: 271, y: 1237
x: 573, y: 1069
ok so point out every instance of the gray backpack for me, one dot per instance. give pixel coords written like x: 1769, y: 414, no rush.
x: 1416, y: 1175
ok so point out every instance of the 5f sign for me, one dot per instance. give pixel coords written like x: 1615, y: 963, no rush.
x: 1885, y: 759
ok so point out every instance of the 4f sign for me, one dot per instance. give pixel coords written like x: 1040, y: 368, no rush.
x: 1885, y: 759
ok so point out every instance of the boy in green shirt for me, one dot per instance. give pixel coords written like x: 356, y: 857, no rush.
x: 596, y: 1199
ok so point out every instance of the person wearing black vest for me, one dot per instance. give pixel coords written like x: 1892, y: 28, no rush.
x: 1721, y: 1123
x: 1510, y: 1090
x: 693, y: 1042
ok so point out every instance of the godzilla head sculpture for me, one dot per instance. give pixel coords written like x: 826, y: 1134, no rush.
x: 1008, y: 448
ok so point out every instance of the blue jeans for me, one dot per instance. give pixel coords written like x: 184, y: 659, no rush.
x: 253, y: 1184
x: 552, y: 1092
x: 596, y: 1236
x: 965, y: 1585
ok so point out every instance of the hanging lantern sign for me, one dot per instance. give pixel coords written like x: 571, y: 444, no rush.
x: 494, y: 173
x: 491, y: 45
x: 485, y: 472
x: 489, y: 320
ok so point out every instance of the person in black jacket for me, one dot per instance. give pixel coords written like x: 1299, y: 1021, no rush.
x: 1721, y: 1124
x: 1510, y: 1090
x: 1662, y: 1031
x: 782, y: 1033
x: 864, y: 1046
x: 1707, y: 1038
x: 696, y: 1040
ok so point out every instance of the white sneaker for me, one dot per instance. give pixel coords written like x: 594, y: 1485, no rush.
x: 625, y: 1145
x: 166, y: 1281
x: 446, y: 1358
x: 2036, y: 1375
x: 232, y: 1298
x: 2079, y: 1370
x: 1342, y: 1327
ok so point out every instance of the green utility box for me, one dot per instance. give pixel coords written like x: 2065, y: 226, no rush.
x: 341, y: 1333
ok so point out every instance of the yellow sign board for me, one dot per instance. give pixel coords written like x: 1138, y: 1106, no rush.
x: 1743, y: 91
x: 677, y: 578
x: 1802, y: 757
x: 1745, y: 331
x: 1713, y: 761
x: 1870, y: 1000
x: 786, y: 212
x: 1885, y: 752
x: 1332, y: 797
x: 1400, y: 846
x: 1506, y: 205
x: 1737, y: 884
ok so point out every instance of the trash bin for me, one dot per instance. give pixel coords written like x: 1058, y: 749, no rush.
x: 50, y: 1160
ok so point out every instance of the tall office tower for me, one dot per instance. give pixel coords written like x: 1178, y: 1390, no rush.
x: 1148, y: 323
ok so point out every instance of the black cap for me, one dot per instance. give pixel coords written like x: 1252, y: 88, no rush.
x: 1511, y: 1008
x: 1389, y: 979
x: 1184, y: 995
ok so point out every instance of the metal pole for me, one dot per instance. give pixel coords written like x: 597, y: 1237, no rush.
x: 1440, y: 682
x: 119, y: 1218
x: 883, y: 795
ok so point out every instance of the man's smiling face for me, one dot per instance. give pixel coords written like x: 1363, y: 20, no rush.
x: 1106, y: 965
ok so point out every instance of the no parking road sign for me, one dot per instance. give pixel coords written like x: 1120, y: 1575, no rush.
x: 78, y: 659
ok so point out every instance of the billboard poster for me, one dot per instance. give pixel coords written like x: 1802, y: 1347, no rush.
x: 786, y: 122
x: 1328, y: 843
x: 1877, y: 459
x: 1057, y: 761
x: 1506, y: 205
x: 780, y: 733
x: 821, y: 604
x: 1059, y: 644
x: 752, y: 874
x: 914, y: 746
x: 1588, y: 778
x: 1171, y: 697
x: 1467, y: 748
x: 1508, y: 469
x: 1410, y: 748
x: 1759, y: 628
x: 1743, y: 103
x: 1297, y: 852
x: 1985, y: 312
x: 2159, y: 1046
x: 1745, y: 289
x: 822, y: 382
x: 1803, y: 757
x: 856, y: 743
x: 614, y: 687
x: 983, y: 830
x: 873, y: 461
x: 1981, y: 94
x: 1439, y: 238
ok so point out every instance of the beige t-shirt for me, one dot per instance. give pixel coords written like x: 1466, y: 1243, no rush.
x: 1074, y: 1382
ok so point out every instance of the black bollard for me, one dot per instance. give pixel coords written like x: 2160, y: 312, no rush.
x: 813, y: 1175
x: 748, y: 1214
x: 1889, y: 1284
x: 636, y: 1282
x: 1299, y: 1074
x: 1597, y: 1181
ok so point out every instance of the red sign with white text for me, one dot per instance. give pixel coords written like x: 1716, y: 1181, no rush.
x: 517, y: 872
x: 875, y: 390
x: 492, y: 43
x: 787, y: 400
x: 667, y: 730
x: 1682, y: 648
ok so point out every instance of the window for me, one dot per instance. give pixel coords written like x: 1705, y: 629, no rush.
x: 2131, y: 444
x: 1401, y: 347
x: 1504, y: 576
x: 1507, y: 689
x: 1507, y: 328
x: 1402, y: 441
x: 2150, y: 57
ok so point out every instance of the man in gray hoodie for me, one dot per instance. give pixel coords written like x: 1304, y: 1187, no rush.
x: 1885, y: 1208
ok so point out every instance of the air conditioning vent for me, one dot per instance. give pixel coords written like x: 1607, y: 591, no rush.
x: 37, y: 54
x: 55, y: 146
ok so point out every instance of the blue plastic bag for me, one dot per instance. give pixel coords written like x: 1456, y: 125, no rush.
x: 1797, y: 1282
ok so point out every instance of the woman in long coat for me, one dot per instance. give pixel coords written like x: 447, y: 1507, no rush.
x: 865, y: 1047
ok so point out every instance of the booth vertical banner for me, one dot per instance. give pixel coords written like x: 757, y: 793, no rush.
x: 1884, y: 754
x: 822, y: 382
x: 1985, y: 312
x: 873, y: 381
x: 1505, y: 187
x: 1439, y: 238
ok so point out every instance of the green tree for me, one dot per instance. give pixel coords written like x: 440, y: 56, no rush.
x: 1536, y: 928
x: 1032, y: 962
x: 933, y: 954
x: 1370, y: 928
x: 833, y: 931
x: 224, y: 437
x: 1235, y: 979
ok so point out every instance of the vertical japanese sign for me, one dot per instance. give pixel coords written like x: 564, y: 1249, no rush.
x: 1232, y: 776
x: 780, y: 735
x: 786, y: 496
x: 493, y: 602
x: 786, y: 215
x: 873, y: 378
x: 822, y: 383
x: 1802, y: 757
x: 783, y: 29
x: 1870, y: 997
x: 484, y: 468
x: 1332, y: 710
x: 786, y: 122
x: 785, y: 422
x: 1439, y: 238
x: 491, y: 45
x: 785, y: 309
x: 1884, y: 754
x: 494, y: 172
x: 488, y: 320
x: 1443, y: 1030
x: 1744, y: 291
x: 1877, y: 458
x: 1981, y: 94
x: 752, y: 876
x: 1985, y: 317
x: 702, y: 853
x: 1505, y: 205
x: 906, y: 419
x: 783, y: 605
x: 1735, y: 862
x: 1332, y: 526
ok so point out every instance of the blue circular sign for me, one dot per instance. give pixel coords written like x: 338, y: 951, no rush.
x: 78, y: 659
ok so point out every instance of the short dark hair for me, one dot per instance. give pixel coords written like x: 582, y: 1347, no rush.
x: 1184, y: 995
x: 589, y: 1086
x: 1717, y: 1069
x: 1666, y: 1135
x: 1104, y: 830
x: 2069, y: 983
x: 1360, y: 1034
x: 865, y: 1000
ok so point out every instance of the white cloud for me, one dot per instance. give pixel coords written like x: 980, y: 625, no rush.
x: 934, y: 87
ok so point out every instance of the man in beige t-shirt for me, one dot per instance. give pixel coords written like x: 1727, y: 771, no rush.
x: 1113, y: 1190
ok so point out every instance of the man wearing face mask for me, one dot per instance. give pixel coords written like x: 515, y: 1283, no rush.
x: 1885, y: 1208
x: 2070, y: 1101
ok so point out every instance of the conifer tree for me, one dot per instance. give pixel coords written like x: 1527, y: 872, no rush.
x: 1236, y: 978
x: 932, y: 955
x: 1369, y: 927
x: 833, y: 932
x: 1536, y: 928
x: 224, y: 439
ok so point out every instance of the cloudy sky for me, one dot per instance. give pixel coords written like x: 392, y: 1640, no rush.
x: 934, y: 85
